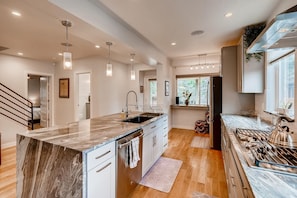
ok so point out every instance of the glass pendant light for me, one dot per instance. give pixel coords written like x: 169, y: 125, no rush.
x: 67, y: 56
x: 108, y: 65
x: 132, y: 67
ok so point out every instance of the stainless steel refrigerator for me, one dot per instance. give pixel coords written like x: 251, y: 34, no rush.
x: 215, y: 111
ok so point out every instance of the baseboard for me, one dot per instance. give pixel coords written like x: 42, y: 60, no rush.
x: 183, y: 127
x: 8, y: 144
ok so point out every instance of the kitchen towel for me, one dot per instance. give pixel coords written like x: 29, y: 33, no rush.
x: 134, y: 152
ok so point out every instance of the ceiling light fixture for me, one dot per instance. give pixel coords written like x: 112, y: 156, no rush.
x: 97, y: 46
x: 173, y: 43
x: 133, y: 76
x: 109, y: 65
x: 67, y: 56
x: 228, y: 14
x: 15, y: 13
x: 20, y: 54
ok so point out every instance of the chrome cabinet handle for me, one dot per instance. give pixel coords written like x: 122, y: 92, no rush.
x: 104, y: 167
x: 102, y: 154
x: 153, y: 127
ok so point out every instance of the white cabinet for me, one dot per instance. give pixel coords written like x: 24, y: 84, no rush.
x: 165, y: 132
x: 100, y: 165
x: 250, y: 74
x: 238, y: 185
x: 101, y: 180
x: 152, y: 144
x: 147, y: 150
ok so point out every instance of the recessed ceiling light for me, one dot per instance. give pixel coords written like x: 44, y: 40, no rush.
x: 173, y: 43
x: 15, y: 13
x: 20, y: 54
x: 60, y: 54
x: 97, y: 46
x: 197, y: 32
x: 229, y: 14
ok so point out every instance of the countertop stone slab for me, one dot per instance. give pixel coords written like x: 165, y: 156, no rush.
x: 88, y: 134
x: 264, y: 184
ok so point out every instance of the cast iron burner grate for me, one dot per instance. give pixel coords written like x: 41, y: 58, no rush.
x: 267, y: 155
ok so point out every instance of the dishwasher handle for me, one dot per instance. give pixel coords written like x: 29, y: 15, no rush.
x: 129, y: 141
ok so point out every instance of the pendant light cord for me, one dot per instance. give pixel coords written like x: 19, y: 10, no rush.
x: 109, y: 54
x: 67, y: 38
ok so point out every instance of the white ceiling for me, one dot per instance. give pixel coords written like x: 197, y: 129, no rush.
x: 38, y: 32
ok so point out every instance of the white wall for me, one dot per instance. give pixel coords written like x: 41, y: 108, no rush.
x: 232, y: 101
x: 13, y: 74
x: 108, y: 94
x: 186, y: 118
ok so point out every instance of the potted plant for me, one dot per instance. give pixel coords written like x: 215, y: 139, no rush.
x: 187, y: 96
x: 250, y: 34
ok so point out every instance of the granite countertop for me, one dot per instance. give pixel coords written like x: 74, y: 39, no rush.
x: 263, y: 183
x: 88, y: 134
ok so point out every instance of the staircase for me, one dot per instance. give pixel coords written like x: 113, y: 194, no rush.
x: 15, y: 107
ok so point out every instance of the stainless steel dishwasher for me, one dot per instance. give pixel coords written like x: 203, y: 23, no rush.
x: 128, y: 178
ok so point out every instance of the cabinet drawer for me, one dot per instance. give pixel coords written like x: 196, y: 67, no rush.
x: 151, y: 127
x: 94, y: 158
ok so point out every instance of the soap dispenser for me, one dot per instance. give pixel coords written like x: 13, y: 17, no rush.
x: 122, y: 114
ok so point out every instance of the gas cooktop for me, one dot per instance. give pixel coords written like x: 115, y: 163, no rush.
x: 260, y: 153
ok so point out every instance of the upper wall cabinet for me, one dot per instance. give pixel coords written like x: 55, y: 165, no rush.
x: 250, y: 71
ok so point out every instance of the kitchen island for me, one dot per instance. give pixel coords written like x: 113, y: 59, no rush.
x: 244, y: 180
x: 55, y: 162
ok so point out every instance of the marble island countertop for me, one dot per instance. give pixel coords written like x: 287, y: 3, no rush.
x: 88, y: 134
x: 263, y: 183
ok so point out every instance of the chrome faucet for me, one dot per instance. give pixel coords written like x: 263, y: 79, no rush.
x: 127, y: 111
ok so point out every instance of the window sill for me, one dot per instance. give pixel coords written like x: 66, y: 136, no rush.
x: 190, y: 107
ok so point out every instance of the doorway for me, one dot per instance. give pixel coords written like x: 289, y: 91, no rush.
x: 84, y: 96
x: 39, y: 93
x: 150, y: 88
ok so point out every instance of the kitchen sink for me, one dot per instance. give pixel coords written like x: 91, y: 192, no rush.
x: 149, y: 114
x: 138, y: 119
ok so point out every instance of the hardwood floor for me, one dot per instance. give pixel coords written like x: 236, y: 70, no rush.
x: 202, y: 170
x: 8, y: 173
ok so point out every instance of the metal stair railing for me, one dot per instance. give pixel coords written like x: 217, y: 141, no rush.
x: 16, y: 107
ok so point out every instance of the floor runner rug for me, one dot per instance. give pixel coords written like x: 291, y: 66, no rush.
x: 162, y: 175
x: 201, y: 195
x: 200, y: 142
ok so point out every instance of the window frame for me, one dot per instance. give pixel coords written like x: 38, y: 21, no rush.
x: 273, y: 84
x: 199, y: 93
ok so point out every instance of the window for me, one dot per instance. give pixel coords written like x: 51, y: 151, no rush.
x: 153, y: 92
x: 280, y: 85
x: 196, y: 86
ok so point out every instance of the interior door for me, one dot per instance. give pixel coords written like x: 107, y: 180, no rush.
x: 44, y: 101
x: 84, y: 96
